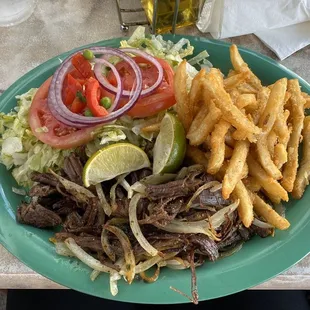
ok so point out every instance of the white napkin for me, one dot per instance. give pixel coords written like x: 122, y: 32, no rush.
x: 280, y: 24
x: 287, y: 40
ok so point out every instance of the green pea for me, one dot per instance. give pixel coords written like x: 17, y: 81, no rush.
x: 88, y: 112
x: 80, y: 95
x: 106, y: 102
x: 88, y: 54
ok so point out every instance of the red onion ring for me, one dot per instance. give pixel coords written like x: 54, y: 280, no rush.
x: 64, y: 115
x: 105, y: 83
x: 118, y: 80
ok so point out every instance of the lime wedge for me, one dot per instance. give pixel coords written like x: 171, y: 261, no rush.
x: 113, y: 160
x: 170, y: 145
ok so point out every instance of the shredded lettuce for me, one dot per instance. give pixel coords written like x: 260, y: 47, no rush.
x: 157, y: 46
x: 125, y: 129
x: 20, y: 149
x: 168, y: 50
x: 108, y: 134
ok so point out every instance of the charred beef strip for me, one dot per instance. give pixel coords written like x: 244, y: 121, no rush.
x: 185, y: 188
x: 231, y: 240
x: 90, y: 243
x: 89, y: 217
x: 211, y: 199
x: 37, y: 216
x: 73, y: 221
x: 262, y: 232
x: 136, y: 176
x: 64, y: 206
x: 173, y: 189
x: 44, y: 178
x: 73, y: 168
x: 121, y: 208
x: 163, y: 212
x: 40, y: 190
x: 204, y: 245
x: 88, y: 222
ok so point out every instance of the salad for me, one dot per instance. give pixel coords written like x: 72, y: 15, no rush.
x: 105, y: 159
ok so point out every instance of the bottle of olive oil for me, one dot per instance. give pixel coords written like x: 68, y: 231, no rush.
x: 187, y: 13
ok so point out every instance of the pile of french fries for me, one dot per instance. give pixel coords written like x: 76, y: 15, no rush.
x: 247, y: 135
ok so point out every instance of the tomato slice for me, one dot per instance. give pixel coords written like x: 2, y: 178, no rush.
x: 59, y: 135
x: 82, y: 65
x: 151, y: 105
x: 76, y: 74
x: 70, y: 87
x: 91, y: 93
x: 161, y: 99
x: 77, y: 106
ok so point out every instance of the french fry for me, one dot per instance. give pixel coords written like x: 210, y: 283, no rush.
x: 231, y: 72
x: 197, y: 156
x: 297, y: 118
x: 228, y: 151
x: 271, y: 142
x: 265, y: 159
x: 307, y: 98
x: 199, y: 118
x: 245, y: 171
x: 283, y: 132
x: 286, y: 98
x: 246, y: 100
x: 281, y: 128
x: 262, y: 99
x: 235, y: 80
x: 198, y: 136
x: 218, y: 146
x: 241, y: 134
x: 270, y: 86
x: 280, y: 155
x: 274, y: 103
x: 229, y: 140
x: 195, y: 92
x: 234, y: 94
x: 302, y: 179
x: 230, y: 112
x: 238, y: 63
x: 184, y: 112
x: 245, y: 207
x: 246, y: 88
x: 263, y: 209
x: 234, y: 170
x: 273, y: 189
x: 217, y: 74
x: 240, y: 66
x: 251, y: 184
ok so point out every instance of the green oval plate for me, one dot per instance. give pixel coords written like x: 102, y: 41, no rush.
x: 258, y: 261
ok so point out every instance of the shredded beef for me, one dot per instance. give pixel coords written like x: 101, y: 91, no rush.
x: 37, y: 216
x: 44, y: 178
x: 73, y: 168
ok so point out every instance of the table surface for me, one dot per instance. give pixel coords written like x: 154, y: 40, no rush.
x: 55, y: 28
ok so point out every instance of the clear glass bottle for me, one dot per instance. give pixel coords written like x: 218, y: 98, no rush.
x: 13, y: 12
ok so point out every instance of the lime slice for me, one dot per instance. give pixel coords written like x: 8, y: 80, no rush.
x: 170, y: 145
x: 113, y: 160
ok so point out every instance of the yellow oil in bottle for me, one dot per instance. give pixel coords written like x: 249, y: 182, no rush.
x: 187, y: 13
